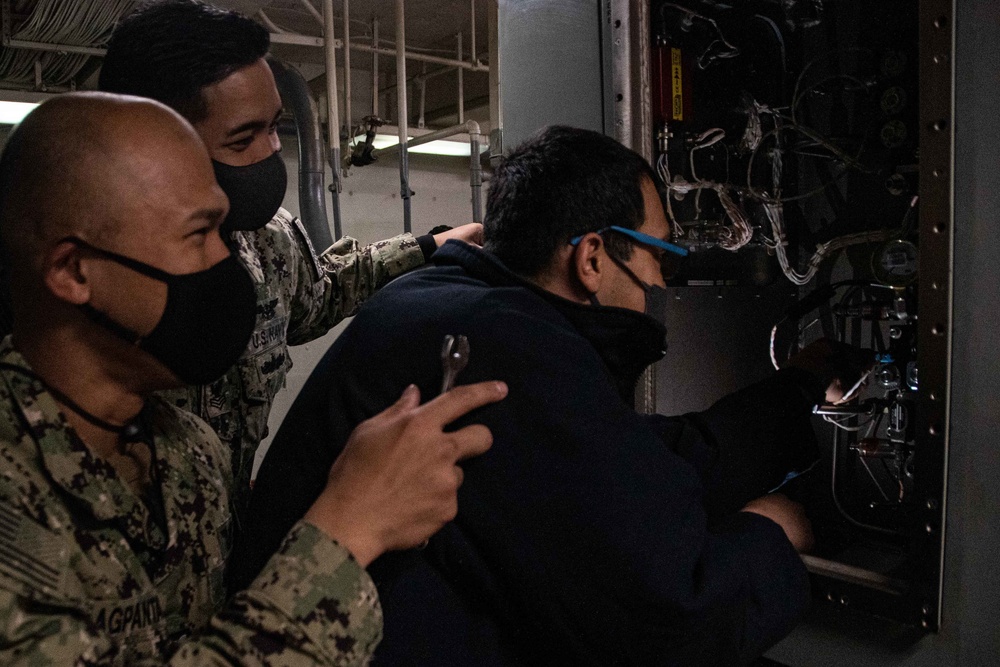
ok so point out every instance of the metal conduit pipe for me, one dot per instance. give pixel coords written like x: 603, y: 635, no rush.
x: 297, y: 99
x: 473, y: 56
x: 404, y: 159
x: 475, y: 166
x: 422, y: 84
x: 333, y: 121
x: 422, y: 57
x: 375, y: 69
x: 348, y: 120
x: 475, y: 171
x: 443, y: 133
x: 461, y: 84
x: 276, y: 38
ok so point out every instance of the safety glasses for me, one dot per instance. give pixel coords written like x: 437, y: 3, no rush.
x: 670, y: 257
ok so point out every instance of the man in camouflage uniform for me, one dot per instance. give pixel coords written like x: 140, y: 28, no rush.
x: 114, y: 508
x: 208, y: 64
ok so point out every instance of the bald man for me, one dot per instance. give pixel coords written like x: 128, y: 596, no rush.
x: 114, y: 505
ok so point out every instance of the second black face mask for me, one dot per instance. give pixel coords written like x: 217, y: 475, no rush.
x: 206, y: 323
x: 255, y: 192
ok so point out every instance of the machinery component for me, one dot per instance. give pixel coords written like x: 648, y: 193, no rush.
x: 363, y: 153
x: 797, y: 138
x: 896, y: 263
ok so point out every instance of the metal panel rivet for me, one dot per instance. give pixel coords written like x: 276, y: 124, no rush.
x: 939, y: 228
x: 938, y: 329
x: 941, y: 22
x: 939, y: 125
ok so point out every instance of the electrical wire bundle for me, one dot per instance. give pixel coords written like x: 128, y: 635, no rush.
x: 80, y: 23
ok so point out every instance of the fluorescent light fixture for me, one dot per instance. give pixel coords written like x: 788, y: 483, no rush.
x: 12, y: 113
x: 440, y: 147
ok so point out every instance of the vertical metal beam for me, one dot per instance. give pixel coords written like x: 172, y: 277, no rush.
x: 475, y: 171
x: 333, y: 114
x: 473, y: 56
x: 402, y: 121
x: 461, y: 83
x: 348, y: 120
x: 934, y: 326
x: 422, y: 82
x: 496, y: 103
x: 375, y: 68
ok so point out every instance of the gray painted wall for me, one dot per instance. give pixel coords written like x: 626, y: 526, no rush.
x: 550, y: 66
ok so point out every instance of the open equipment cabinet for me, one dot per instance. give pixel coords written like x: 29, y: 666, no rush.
x: 805, y: 146
x: 926, y: 596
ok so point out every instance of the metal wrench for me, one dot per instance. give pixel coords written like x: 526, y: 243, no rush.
x: 454, y: 357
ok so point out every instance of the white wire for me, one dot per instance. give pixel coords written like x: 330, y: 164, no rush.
x: 774, y: 359
x: 775, y: 214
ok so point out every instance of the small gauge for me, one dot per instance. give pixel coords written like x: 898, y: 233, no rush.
x: 895, y: 263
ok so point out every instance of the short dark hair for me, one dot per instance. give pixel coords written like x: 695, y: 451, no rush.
x: 561, y: 183
x: 170, y: 49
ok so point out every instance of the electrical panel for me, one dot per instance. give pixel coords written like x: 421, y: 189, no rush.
x: 789, y: 135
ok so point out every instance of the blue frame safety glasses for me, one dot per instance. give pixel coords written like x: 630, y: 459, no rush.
x: 670, y: 260
x: 641, y: 238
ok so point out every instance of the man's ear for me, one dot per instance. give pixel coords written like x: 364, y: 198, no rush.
x: 63, y: 274
x: 590, y: 262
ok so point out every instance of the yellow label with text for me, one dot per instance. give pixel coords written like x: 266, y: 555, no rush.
x: 677, y: 89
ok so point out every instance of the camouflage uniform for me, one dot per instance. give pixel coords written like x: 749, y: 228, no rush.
x: 91, y: 574
x: 299, y: 298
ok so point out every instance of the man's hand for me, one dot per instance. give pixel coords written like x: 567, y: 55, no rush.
x: 838, y: 365
x: 471, y: 233
x: 787, y: 514
x: 396, y: 481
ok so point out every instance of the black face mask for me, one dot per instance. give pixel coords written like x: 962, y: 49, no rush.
x: 206, y: 323
x: 657, y: 297
x: 255, y: 192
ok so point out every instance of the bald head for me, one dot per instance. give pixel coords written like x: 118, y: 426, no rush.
x: 80, y: 163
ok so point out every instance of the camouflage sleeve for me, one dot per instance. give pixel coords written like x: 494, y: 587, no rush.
x: 40, y: 634
x: 312, y: 605
x: 333, y: 285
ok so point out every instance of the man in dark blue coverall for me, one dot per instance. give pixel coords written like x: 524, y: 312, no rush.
x: 589, y: 534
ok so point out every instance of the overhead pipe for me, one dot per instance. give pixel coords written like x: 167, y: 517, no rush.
x: 276, y: 38
x: 417, y: 78
x: 271, y: 25
x: 54, y: 48
x: 312, y: 10
x: 296, y: 97
x: 333, y: 120
x: 404, y: 158
x: 423, y: 57
x: 443, y: 133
